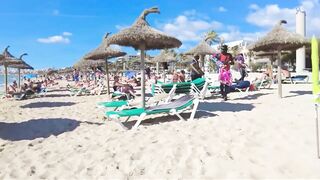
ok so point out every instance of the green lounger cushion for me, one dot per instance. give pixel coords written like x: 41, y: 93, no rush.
x: 165, y: 108
x: 113, y: 103
x: 184, y: 87
x: 126, y: 112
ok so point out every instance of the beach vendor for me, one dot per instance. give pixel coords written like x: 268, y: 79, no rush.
x: 224, y: 60
x: 196, y: 71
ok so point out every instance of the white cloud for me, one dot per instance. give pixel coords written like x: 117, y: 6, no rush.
x: 189, y: 28
x: 268, y: 16
x: 54, y: 40
x: 222, y: 9
x: 67, y: 34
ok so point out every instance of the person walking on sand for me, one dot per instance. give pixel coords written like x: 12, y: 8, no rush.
x: 241, y: 67
x: 225, y: 60
x: 196, y: 71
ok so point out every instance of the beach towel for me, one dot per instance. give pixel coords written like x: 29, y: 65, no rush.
x: 225, y: 76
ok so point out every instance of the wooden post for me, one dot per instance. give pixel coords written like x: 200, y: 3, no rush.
x: 142, y: 48
x: 6, y: 79
x: 279, y: 75
x: 107, y: 76
x: 19, y: 82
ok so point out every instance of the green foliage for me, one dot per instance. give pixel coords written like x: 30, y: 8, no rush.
x: 255, y: 66
x: 212, y: 37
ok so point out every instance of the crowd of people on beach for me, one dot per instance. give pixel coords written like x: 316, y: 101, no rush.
x: 94, y: 79
x: 29, y: 87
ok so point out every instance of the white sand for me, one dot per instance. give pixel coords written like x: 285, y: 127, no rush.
x: 257, y: 136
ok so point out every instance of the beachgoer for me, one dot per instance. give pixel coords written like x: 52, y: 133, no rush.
x: 196, y: 71
x: 241, y: 67
x: 124, y: 88
x: 225, y: 76
x: 175, y: 77
x: 148, y: 72
x: 182, y: 76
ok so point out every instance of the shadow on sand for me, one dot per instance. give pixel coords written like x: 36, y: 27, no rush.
x: 298, y: 93
x: 36, y: 128
x: 47, y: 104
x: 251, y: 96
x: 165, y: 118
x: 224, y: 106
x: 57, y: 95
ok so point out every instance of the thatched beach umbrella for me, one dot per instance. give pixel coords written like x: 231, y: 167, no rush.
x: 104, y: 52
x: 7, y: 59
x: 279, y: 39
x: 143, y: 37
x: 202, y: 49
x: 83, y: 64
x: 164, y: 56
x: 21, y: 65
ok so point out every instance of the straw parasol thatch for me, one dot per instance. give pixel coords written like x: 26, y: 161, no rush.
x: 164, y: 56
x: 143, y: 37
x: 7, y: 59
x: 104, y: 52
x: 21, y: 65
x: 279, y: 39
x: 82, y: 63
x: 202, y: 49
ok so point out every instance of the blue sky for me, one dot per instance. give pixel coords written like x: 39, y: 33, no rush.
x: 57, y: 33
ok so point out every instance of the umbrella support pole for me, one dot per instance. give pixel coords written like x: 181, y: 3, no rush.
x: 157, y: 66
x: 142, y: 48
x: 107, y: 77
x: 317, y: 131
x: 19, y: 83
x: 5, y: 79
x: 279, y: 75
x: 202, y: 62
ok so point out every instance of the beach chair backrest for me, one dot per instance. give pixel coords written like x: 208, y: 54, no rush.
x: 178, y: 104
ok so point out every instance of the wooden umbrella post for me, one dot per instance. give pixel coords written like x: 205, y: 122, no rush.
x: 5, y: 79
x: 142, y: 48
x: 19, y: 82
x: 202, y: 61
x: 279, y: 74
x: 107, y: 76
x: 157, y: 67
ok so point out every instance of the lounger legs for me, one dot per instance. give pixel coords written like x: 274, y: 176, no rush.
x: 174, y: 112
x: 116, y: 120
x: 142, y: 116
x: 194, y: 109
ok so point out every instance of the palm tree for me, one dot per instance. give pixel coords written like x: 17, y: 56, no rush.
x: 212, y: 37
x: 235, y: 50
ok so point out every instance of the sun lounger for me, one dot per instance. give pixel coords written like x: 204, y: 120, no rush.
x: 172, y: 108
x: 241, y: 86
x: 297, y: 79
x: 263, y: 83
x: 198, y: 87
x: 125, y: 104
x: 78, y: 91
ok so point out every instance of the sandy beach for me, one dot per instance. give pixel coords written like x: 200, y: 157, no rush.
x: 255, y: 136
